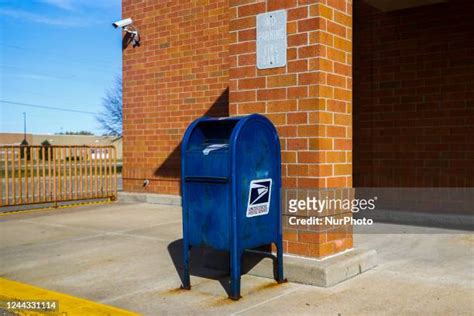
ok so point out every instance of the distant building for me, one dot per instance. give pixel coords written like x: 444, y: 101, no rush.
x: 73, y: 140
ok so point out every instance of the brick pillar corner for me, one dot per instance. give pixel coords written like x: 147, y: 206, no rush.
x: 309, y: 100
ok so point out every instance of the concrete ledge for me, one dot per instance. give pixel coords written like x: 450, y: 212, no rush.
x: 324, y: 273
x: 152, y: 198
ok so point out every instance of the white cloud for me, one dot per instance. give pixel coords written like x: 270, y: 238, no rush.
x: 61, y: 4
x: 32, y: 76
x: 81, y: 5
x: 37, y: 18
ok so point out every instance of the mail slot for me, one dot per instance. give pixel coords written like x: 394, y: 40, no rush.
x: 230, y: 186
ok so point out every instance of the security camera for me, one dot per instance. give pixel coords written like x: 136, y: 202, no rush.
x: 131, y: 32
x: 123, y: 23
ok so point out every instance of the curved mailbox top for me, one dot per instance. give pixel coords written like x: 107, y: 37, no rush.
x: 208, y: 133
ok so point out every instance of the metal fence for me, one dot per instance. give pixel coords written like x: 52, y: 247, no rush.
x: 51, y: 174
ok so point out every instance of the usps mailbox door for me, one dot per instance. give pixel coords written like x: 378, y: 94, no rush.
x: 209, y: 214
x: 258, y: 189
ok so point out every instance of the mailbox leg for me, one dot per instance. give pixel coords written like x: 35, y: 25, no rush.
x: 235, y: 262
x: 186, y: 278
x: 280, y: 276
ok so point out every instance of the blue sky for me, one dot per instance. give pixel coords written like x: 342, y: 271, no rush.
x: 57, y: 53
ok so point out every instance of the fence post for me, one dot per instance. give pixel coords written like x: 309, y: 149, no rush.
x: 115, y: 173
x: 7, y: 181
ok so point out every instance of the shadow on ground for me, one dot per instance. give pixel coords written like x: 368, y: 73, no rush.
x: 212, y: 264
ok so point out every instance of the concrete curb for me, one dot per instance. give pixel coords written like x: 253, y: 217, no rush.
x: 152, y: 198
x: 323, y: 273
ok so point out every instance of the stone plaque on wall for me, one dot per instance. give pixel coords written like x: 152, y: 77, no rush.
x: 271, y: 39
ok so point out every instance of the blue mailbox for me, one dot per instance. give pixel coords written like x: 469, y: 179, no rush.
x: 230, y: 181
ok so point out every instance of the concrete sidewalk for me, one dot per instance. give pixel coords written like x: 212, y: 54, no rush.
x: 127, y: 255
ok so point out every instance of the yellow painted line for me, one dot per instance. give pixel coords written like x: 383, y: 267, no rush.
x: 52, y: 208
x: 67, y: 304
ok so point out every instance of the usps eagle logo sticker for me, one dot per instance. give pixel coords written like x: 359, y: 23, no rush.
x: 259, y: 197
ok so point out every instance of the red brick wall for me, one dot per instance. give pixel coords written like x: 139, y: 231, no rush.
x: 414, y: 96
x: 179, y: 72
x: 309, y: 101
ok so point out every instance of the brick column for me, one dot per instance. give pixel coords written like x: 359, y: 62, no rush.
x: 309, y: 100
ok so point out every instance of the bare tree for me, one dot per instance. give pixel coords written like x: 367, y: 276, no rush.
x: 110, y: 118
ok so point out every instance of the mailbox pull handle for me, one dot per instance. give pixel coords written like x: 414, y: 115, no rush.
x: 207, y: 179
